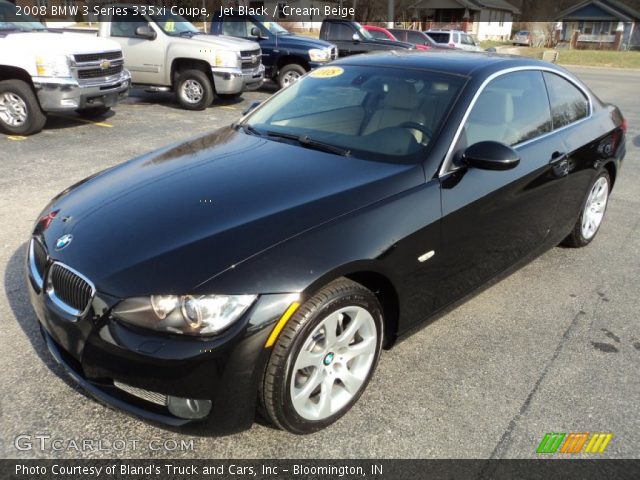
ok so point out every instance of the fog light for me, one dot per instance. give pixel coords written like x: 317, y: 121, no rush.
x: 188, y: 407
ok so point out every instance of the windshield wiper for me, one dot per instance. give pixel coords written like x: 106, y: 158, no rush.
x: 307, y: 141
x: 246, y: 128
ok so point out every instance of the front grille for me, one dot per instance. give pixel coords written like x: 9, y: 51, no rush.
x: 96, y: 57
x: 69, y: 290
x: 99, y: 72
x: 38, y: 259
x: 248, y: 53
x: 149, y: 396
x: 251, y: 59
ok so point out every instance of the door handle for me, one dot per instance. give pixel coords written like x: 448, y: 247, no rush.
x: 557, y: 158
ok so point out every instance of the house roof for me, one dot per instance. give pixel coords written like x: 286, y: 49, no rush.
x: 612, y: 7
x: 474, y: 5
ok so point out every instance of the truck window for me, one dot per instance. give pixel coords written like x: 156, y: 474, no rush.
x: 125, y: 25
x: 340, y: 32
x: 238, y: 28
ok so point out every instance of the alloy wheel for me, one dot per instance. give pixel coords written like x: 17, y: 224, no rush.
x: 333, y: 363
x: 192, y: 91
x: 594, y: 208
x: 289, y: 78
x: 13, y: 109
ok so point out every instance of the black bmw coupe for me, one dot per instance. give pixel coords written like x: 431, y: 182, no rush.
x: 266, y: 264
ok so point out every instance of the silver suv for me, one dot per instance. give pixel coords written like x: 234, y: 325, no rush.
x: 454, y: 39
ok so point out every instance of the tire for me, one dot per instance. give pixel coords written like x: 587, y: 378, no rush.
x: 304, y: 338
x: 194, y: 90
x: 593, y: 209
x: 20, y: 112
x: 290, y: 74
x: 229, y: 96
x: 93, y: 112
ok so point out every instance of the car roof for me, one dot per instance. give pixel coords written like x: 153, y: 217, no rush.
x: 453, y: 62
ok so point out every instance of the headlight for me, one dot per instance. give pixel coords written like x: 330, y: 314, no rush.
x: 187, y: 314
x: 53, y: 66
x: 319, y: 55
x: 225, y: 58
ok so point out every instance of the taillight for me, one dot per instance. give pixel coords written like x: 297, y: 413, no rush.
x: 452, y: 45
x: 624, y: 125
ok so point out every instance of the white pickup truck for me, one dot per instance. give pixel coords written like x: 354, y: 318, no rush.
x: 164, y: 52
x: 42, y: 72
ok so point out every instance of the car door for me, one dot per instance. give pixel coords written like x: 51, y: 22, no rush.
x: 143, y: 57
x: 493, y: 219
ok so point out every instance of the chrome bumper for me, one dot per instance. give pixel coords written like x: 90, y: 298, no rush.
x: 67, y: 94
x: 234, y: 80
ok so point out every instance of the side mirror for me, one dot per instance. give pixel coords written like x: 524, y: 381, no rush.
x: 491, y: 156
x: 252, y: 106
x: 255, y: 32
x: 145, y: 31
x: 355, y: 37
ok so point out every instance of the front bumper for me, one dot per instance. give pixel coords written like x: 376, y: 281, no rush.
x: 234, y: 80
x: 68, y: 94
x: 104, y: 356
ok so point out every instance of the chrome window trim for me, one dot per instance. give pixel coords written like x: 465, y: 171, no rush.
x: 33, y: 269
x: 59, y: 302
x: 444, y: 168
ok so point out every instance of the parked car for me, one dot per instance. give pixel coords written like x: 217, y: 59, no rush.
x: 347, y: 209
x: 528, y: 39
x: 454, y: 39
x: 43, y: 72
x: 286, y: 57
x: 351, y: 38
x: 165, y: 52
x: 421, y: 40
x: 380, y: 33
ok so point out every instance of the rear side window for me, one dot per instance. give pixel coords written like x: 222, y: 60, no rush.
x: 568, y: 103
x: 512, y: 109
x: 340, y: 31
x: 439, y: 37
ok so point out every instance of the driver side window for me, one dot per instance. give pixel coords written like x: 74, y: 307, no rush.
x: 126, y: 25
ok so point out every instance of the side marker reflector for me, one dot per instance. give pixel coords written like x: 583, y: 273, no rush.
x: 281, y: 323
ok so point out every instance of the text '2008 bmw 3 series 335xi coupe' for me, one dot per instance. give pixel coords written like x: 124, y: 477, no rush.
x: 266, y: 264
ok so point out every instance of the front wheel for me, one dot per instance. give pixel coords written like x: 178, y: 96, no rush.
x: 323, y: 358
x: 592, y: 213
x: 20, y: 112
x: 194, y: 90
x: 289, y: 74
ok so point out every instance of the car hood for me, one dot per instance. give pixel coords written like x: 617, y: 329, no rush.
x: 168, y: 221
x: 232, y: 43
x: 295, y: 41
x: 58, y: 43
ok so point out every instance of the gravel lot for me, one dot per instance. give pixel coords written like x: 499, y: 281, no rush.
x: 553, y: 348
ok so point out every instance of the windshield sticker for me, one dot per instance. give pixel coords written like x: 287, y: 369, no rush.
x: 327, y: 72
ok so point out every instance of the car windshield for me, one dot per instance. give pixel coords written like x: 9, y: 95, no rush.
x: 10, y: 21
x: 377, y: 113
x: 363, y: 31
x: 274, y: 27
x: 175, y: 25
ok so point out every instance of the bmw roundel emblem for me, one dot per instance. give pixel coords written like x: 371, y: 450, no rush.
x: 63, y: 241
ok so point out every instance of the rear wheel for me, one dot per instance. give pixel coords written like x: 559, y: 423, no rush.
x: 289, y: 74
x: 593, y: 211
x: 194, y: 90
x: 323, y: 358
x: 20, y: 112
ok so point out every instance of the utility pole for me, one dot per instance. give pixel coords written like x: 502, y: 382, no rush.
x: 390, y: 5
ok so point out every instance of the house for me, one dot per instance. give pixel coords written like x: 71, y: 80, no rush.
x: 486, y: 19
x: 600, y: 24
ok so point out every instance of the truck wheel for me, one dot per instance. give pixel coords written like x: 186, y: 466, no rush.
x: 194, y: 90
x: 323, y: 359
x: 93, y: 112
x: 20, y: 112
x: 289, y: 74
x: 229, y: 96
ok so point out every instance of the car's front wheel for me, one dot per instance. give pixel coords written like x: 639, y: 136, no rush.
x: 593, y: 210
x: 290, y: 74
x: 323, y: 358
x: 20, y: 112
x: 194, y: 90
